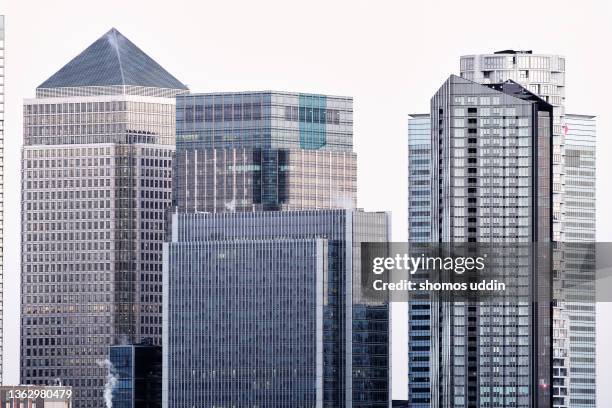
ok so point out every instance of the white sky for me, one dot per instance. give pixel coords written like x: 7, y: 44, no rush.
x: 390, y: 56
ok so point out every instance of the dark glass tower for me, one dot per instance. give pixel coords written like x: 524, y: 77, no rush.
x: 96, y: 182
x: 265, y: 309
x: 137, y: 369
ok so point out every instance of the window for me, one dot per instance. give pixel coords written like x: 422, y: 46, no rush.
x: 457, y: 122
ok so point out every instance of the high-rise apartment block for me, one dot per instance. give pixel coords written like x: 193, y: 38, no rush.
x: 492, y: 167
x: 573, y: 220
x: 252, y: 151
x: 265, y: 309
x: 544, y: 75
x: 96, y: 182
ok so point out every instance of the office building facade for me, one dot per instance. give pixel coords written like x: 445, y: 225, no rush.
x: 575, y: 339
x: 265, y: 309
x: 273, y: 172
x: 253, y: 151
x: 419, y: 230
x: 580, y: 143
x: 96, y: 182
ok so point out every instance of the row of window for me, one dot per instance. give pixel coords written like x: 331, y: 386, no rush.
x: 97, y: 106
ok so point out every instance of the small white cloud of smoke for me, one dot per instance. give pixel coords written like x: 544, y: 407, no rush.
x: 111, y: 381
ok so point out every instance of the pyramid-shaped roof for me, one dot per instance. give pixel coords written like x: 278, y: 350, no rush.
x: 112, y: 60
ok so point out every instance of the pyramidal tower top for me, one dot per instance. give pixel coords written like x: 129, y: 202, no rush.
x: 111, y: 65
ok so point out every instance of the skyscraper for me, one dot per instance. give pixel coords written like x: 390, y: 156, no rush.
x: 96, y: 182
x: 492, y: 167
x: 544, y: 75
x: 419, y: 230
x: 265, y: 309
x: 279, y: 247
x: 575, y: 340
x: 250, y: 151
x: 1, y: 192
x: 580, y: 132
x: 573, y: 218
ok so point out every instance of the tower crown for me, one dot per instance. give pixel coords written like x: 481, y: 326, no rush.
x: 110, y: 61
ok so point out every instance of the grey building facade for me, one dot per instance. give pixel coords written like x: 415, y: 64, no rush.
x: 492, y: 166
x: 573, y: 187
x: 96, y: 182
x: 544, y: 75
x: 264, y: 309
x: 253, y: 151
x: 419, y: 230
x: 575, y: 328
x: 264, y: 190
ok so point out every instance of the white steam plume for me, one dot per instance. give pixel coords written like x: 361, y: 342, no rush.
x: 111, y: 381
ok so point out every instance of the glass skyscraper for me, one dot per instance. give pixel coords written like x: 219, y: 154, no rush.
x: 96, y: 182
x: 251, y: 151
x: 419, y: 230
x: 575, y: 342
x: 262, y: 273
x: 419, y: 178
x: 265, y: 309
x: 573, y: 217
x: 544, y: 75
